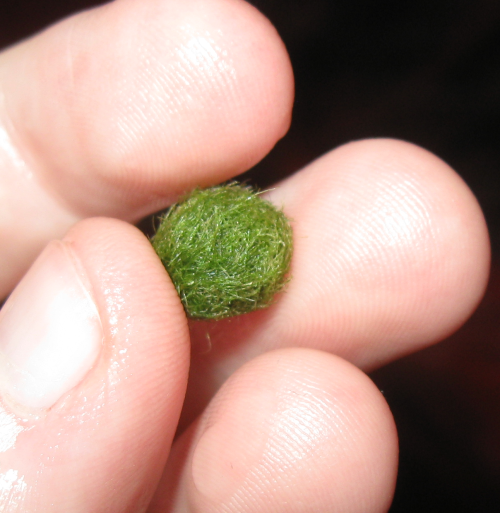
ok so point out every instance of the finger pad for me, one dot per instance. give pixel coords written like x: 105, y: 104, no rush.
x: 163, y: 96
x: 391, y: 250
x: 293, y: 427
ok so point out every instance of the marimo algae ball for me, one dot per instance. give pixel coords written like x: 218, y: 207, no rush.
x: 226, y: 249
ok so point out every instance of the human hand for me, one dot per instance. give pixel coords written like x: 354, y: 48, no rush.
x: 115, y: 112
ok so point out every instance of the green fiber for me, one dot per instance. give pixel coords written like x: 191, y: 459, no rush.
x: 226, y: 249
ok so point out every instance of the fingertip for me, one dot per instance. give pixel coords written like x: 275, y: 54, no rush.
x: 291, y: 427
x: 104, y: 289
x: 391, y: 250
x: 136, y: 298
x: 163, y: 96
x: 120, y: 109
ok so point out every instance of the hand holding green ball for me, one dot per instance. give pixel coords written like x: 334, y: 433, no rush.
x: 226, y: 249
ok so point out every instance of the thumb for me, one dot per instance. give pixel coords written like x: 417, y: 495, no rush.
x: 93, y: 368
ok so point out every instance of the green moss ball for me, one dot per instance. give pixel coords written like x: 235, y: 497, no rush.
x: 226, y: 249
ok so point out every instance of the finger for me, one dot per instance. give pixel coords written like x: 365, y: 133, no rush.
x: 93, y: 366
x: 294, y: 430
x: 391, y: 254
x: 118, y: 110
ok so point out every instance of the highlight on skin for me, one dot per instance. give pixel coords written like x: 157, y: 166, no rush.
x: 226, y: 249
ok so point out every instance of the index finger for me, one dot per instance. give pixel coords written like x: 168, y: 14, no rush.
x: 117, y: 110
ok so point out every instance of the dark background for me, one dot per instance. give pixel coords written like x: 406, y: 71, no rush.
x: 428, y: 72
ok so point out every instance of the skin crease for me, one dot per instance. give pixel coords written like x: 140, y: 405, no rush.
x: 391, y: 255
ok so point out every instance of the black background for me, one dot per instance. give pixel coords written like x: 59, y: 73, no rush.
x: 428, y: 72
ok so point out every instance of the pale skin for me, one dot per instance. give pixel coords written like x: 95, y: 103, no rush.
x: 107, y: 117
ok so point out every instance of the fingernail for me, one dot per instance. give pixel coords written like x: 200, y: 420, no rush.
x: 50, y: 331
